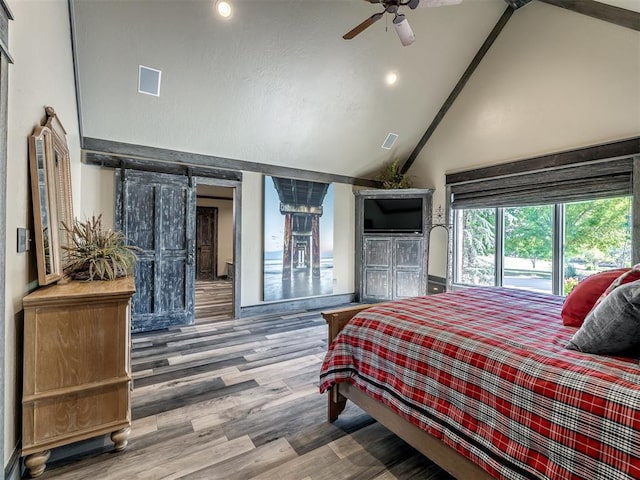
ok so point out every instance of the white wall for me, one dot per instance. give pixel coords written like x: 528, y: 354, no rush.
x: 554, y: 80
x: 42, y: 75
x: 97, y: 194
x: 344, y: 215
x: 252, y: 239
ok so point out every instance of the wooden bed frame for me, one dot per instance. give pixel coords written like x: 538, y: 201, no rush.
x: 446, y: 457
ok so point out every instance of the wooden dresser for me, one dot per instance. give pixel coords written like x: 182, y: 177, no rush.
x: 77, y: 372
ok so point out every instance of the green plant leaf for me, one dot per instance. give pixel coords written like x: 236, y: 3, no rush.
x: 392, y: 177
x: 95, y: 253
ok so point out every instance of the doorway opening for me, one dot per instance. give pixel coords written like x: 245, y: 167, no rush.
x: 215, y: 253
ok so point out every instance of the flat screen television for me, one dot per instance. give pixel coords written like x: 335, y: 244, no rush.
x: 393, y: 215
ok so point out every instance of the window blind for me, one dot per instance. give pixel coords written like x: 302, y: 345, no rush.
x: 578, y: 182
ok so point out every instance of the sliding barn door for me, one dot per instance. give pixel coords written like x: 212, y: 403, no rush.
x: 156, y: 212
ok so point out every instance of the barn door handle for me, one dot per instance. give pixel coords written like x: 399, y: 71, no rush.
x: 190, y: 258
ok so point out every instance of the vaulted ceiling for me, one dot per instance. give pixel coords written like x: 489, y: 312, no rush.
x: 275, y: 84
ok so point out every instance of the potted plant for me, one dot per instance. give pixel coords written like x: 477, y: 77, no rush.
x: 392, y: 176
x: 95, y: 253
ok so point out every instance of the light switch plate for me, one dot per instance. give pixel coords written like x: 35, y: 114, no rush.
x: 23, y: 239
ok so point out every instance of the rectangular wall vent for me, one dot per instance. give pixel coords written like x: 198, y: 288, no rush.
x: 149, y: 80
x: 389, y: 141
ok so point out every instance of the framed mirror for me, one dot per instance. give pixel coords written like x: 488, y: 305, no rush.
x: 45, y: 219
x: 61, y: 173
x: 51, y: 193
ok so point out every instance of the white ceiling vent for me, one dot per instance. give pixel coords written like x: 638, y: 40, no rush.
x: 389, y: 141
x: 149, y: 80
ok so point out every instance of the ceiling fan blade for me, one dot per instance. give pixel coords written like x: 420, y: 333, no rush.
x: 438, y: 3
x: 363, y: 26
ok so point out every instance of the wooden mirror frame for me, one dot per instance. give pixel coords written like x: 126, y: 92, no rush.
x: 51, y: 192
x: 61, y: 174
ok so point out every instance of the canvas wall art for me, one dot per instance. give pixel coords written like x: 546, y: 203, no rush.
x: 298, y: 238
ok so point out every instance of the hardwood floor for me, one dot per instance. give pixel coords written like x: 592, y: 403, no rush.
x: 214, y: 300
x: 238, y: 399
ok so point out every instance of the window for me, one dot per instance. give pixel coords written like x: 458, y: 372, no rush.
x: 476, y: 248
x: 557, y: 218
x: 528, y: 247
x: 597, y: 236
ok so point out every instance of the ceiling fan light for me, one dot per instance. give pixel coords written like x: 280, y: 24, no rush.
x: 404, y: 30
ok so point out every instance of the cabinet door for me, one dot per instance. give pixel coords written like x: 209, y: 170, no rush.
x: 408, y: 267
x: 376, y: 281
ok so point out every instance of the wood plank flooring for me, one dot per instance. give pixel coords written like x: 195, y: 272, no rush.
x: 238, y: 400
x: 214, y: 300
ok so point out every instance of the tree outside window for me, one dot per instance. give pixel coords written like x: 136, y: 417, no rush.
x: 528, y: 247
x: 597, y: 236
x: 476, y: 254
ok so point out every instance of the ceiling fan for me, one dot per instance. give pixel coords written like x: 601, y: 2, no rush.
x: 400, y: 23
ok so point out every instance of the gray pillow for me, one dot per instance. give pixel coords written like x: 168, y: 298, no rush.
x: 613, y: 326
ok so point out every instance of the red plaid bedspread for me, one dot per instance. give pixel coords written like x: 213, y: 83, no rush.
x: 485, y: 370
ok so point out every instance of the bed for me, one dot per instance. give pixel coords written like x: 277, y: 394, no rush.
x: 479, y: 380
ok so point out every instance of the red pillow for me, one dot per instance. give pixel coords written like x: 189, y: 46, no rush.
x: 585, y: 295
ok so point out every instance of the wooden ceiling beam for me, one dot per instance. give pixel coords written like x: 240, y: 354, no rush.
x: 458, y: 88
x: 517, y: 3
x: 616, y: 15
x: 608, y: 13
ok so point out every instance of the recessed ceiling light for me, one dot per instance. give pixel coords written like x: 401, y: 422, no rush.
x: 391, y: 78
x: 223, y: 8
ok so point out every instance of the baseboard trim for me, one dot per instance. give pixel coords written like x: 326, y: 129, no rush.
x: 311, y: 303
x: 437, y: 279
x: 12, y: 470
x: 436, y: 284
